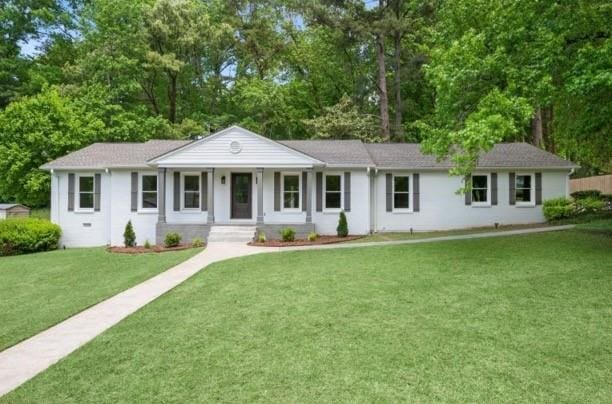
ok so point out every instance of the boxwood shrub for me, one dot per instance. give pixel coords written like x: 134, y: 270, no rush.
x: 22, y: 236
x: 558, y: 208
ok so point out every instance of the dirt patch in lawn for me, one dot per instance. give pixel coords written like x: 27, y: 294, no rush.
x: 320, y: 240
x: 143, y: 250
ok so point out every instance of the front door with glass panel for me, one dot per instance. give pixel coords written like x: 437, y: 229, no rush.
x: 241, y: 195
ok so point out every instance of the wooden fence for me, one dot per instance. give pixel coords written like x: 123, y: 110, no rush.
x: 602, y: 183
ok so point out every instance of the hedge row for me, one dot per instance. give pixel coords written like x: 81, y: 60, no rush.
x: 22, y: 236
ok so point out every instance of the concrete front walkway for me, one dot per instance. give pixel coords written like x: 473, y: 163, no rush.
x: 25, y: 360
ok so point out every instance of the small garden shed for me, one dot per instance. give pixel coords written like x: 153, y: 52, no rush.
x: 13, y: 210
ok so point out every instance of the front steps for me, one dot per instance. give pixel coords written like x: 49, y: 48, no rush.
x: 231, y: 234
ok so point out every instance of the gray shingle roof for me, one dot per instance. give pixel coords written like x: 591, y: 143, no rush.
x: 7, y: 206
x: 334, y: 152
x: 502, y: 155
x: 109, y: 155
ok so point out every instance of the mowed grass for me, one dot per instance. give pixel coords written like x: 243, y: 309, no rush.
x: 522, y: 318
x: 40, y: 290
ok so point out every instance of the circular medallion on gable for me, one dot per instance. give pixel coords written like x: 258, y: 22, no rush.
x: 235, y: 147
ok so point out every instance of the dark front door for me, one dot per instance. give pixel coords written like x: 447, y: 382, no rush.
x: 241, y: 195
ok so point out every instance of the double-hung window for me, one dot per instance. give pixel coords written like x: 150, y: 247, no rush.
x: 523, y: 189
x: 333, y: 191
x: 401, y: 192
x: 480, y: 189
x: 191, y: 191
x: 291, y: 191
x: 86, y: 192
x: 148, y: 189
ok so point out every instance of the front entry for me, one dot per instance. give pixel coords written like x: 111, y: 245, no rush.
x: 241, y: 189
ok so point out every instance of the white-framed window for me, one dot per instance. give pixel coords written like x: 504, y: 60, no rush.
x: 190, y: 191
x: 333, y: 187
x: 291, y: 191
x: 401, y: 192
x: 524, y: 189
x: 85, y: 192
x: 148, y: 191
x: 481, y: 190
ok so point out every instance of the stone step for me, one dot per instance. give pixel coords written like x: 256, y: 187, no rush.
x: 238, y: 234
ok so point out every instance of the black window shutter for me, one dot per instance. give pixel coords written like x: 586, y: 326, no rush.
x: 493, y: 188
x: 70, y: 192
x: 389, y: 191
x: 204, y: 190
x: 512, y: 188
x: 416, y: 205
x: 304, y: 190
x: 468, y: 192
x: 97, y: 191
x: 177, y: 191
x: 347, y: 191
x: 319, y: 192
x: 277, y: 191
x: 134, y: 193
x: 538, y: 189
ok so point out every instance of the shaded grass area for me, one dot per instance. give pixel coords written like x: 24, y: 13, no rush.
x: 40, y: 290
x: 391, y: 236
x: 41, y: 213
x: 522, y: 318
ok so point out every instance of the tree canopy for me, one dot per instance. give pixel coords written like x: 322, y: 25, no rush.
x: 457, y: 75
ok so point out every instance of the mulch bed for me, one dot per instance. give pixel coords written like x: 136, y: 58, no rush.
x: 142, y: 250
x: 320, y: 240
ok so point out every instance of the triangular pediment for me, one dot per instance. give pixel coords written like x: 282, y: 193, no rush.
x: 235, y: 147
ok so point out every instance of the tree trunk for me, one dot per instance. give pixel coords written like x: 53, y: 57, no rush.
x: 382, y: 87
x: 549, y: 139
x: 398, y: 130
x: 537, y: 135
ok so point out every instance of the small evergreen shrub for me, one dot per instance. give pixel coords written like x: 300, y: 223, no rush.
x: 312, y: 236
x: 342, y: 228
x: 558, y: 208
x: 197, y: 242
x: 287, y: 234
x: 28, y: 235
x: 147, y: 245
x: 589, y: 205
x: 129, y: 236
x: 172, y: 240
x: 589, y: 193
x: 261, y: 237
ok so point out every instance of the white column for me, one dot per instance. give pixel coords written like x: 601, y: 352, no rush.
x: 161, y: 195
x: 211, y: 195
x: 309, y: 195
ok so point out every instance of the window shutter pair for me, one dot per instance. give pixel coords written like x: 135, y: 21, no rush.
x: 97, y: 191
x: 538, y: 188
x: 277, y: 191
x: 493, y: 185
x: 416, y: 192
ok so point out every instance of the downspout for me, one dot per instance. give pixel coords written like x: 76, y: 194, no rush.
x: 109, y: 195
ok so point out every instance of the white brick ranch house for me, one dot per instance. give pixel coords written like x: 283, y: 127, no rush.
x: 236, y: 177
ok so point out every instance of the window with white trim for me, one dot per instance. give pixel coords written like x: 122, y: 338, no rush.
x: 333, y: 191
x: 401, y: 192
x: 191, y: 191
x: 480, y: 189
x: 86, y: 192
x: 523, y: 189
x: 291, y: 191
x: 148, y: 191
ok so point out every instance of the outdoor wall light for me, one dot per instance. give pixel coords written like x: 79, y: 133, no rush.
x: 223, y: 180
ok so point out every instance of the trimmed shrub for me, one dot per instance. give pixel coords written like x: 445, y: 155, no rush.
x: 312, y: 236
x: 22, y: 236
x: 172, y: 240
x: 287, y: 234
x: 589, y: 193
x: 147, y: 245
x: 558, y: 208
x: 261, y: 237
x: 197, y: 242
x: 342, y: 228
x: 589, y: 205
x: 129, y: 236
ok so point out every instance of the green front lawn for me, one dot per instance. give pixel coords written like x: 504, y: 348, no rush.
x: 40, y: 290
x: 522, y: 318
